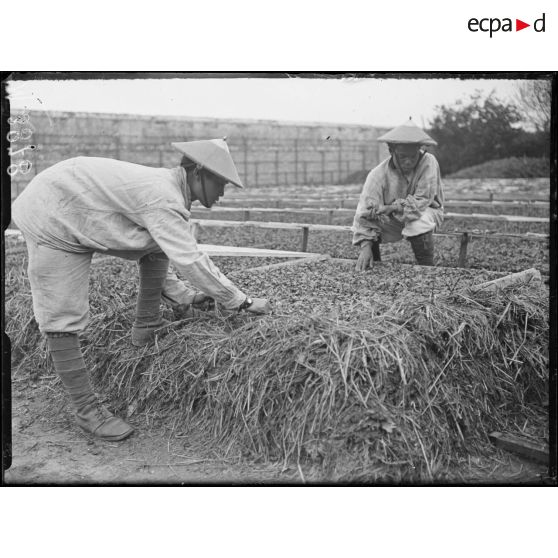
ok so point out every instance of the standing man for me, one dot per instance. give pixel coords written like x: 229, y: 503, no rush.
x: 402, y: 198
x: 88, y: 204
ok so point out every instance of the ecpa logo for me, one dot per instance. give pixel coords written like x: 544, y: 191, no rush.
x: 492, y: 25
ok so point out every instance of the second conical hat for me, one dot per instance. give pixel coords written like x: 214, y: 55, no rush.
x: 213, y: 155
x: 408, y: 132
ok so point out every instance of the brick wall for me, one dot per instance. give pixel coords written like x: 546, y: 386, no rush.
x: 266, y: 152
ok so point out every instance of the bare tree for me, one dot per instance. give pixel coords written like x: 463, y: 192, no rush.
x: 533, y: 98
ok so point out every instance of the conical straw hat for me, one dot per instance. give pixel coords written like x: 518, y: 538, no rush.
x: 408, y: 132
x: 212, y: 155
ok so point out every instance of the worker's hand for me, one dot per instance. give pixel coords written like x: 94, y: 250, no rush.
x: 199, y: 297
x: 203, y: 302
x: 199, y: 301
x: 365, y: 257
x: 182, y: 311
x: 259, y: 306
x: 386, y: 209
x: 372, y: 212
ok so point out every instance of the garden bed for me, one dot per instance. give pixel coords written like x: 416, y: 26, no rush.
x: 394, y: 375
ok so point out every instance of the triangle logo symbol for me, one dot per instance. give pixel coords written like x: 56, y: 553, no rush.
x: 519, y: 25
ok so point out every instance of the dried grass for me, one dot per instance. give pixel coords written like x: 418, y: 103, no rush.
x: 402, y: 391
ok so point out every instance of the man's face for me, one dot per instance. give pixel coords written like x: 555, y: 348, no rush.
x: 214, y: 188
x: 407, y: 156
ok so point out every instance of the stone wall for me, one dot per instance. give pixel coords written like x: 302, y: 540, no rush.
x: 266, y: 152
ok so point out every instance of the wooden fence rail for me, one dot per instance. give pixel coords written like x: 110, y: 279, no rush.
x: 330, y: 212
x: 306, y: 228
x: 346, y: 201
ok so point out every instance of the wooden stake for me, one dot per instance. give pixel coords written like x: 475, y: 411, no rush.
x: 304, y: 245
x: 462, y: 262
x: 523, y: 277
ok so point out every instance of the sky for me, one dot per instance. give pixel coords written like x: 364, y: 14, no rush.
x: 364, y: 101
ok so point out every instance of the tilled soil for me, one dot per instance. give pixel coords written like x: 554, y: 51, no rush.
x: 49, y: 449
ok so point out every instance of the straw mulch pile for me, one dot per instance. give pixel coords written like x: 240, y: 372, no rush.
x: 396, y: 375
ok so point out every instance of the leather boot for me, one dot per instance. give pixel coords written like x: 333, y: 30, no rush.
x: 423, y: 248
x: 99, y: 421
x: 68, y: 361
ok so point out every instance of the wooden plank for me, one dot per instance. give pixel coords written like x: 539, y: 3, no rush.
x: 335, y: 228
x: 298, y: 210
x: 490, y: 234
x: 528, y: 449
x: 213, y: 250
x: 272, y: 225
x: 523, y: 277
x: 328, y: 200
x: 493, y: 217
x: 216, y: 250
x: 497, y: 203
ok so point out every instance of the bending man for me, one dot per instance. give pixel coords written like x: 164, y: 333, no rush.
x: 402, y: 198
x: 87, y: 204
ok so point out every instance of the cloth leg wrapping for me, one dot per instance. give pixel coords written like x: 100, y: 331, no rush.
x: 68, y: 361
x: 153, y: 273
x: 423, y: 248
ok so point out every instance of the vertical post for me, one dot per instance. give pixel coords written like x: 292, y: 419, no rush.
x: 340, y: 155
x: 277, y: 167
x: 304, y: 244
x: 330, y: 216
x: 117, y: 148
x: 462, y: 262
x: 296, y: 160
x: 245, y: 153
x: 246, y: 215
x: 491, y: 197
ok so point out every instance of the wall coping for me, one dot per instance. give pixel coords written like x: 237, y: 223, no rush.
x: 145, y: 117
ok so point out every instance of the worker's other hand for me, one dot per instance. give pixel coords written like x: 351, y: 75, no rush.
x: 259, y: 306
x: 182, y: 311
x: 386, y: 209
x: 196, y: 298
x: 372, y: 212
x: 203, y: 302
x: 365, y: 257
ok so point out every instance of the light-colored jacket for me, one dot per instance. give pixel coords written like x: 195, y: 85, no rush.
x: 385, y: 184
x: 89, y: 204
